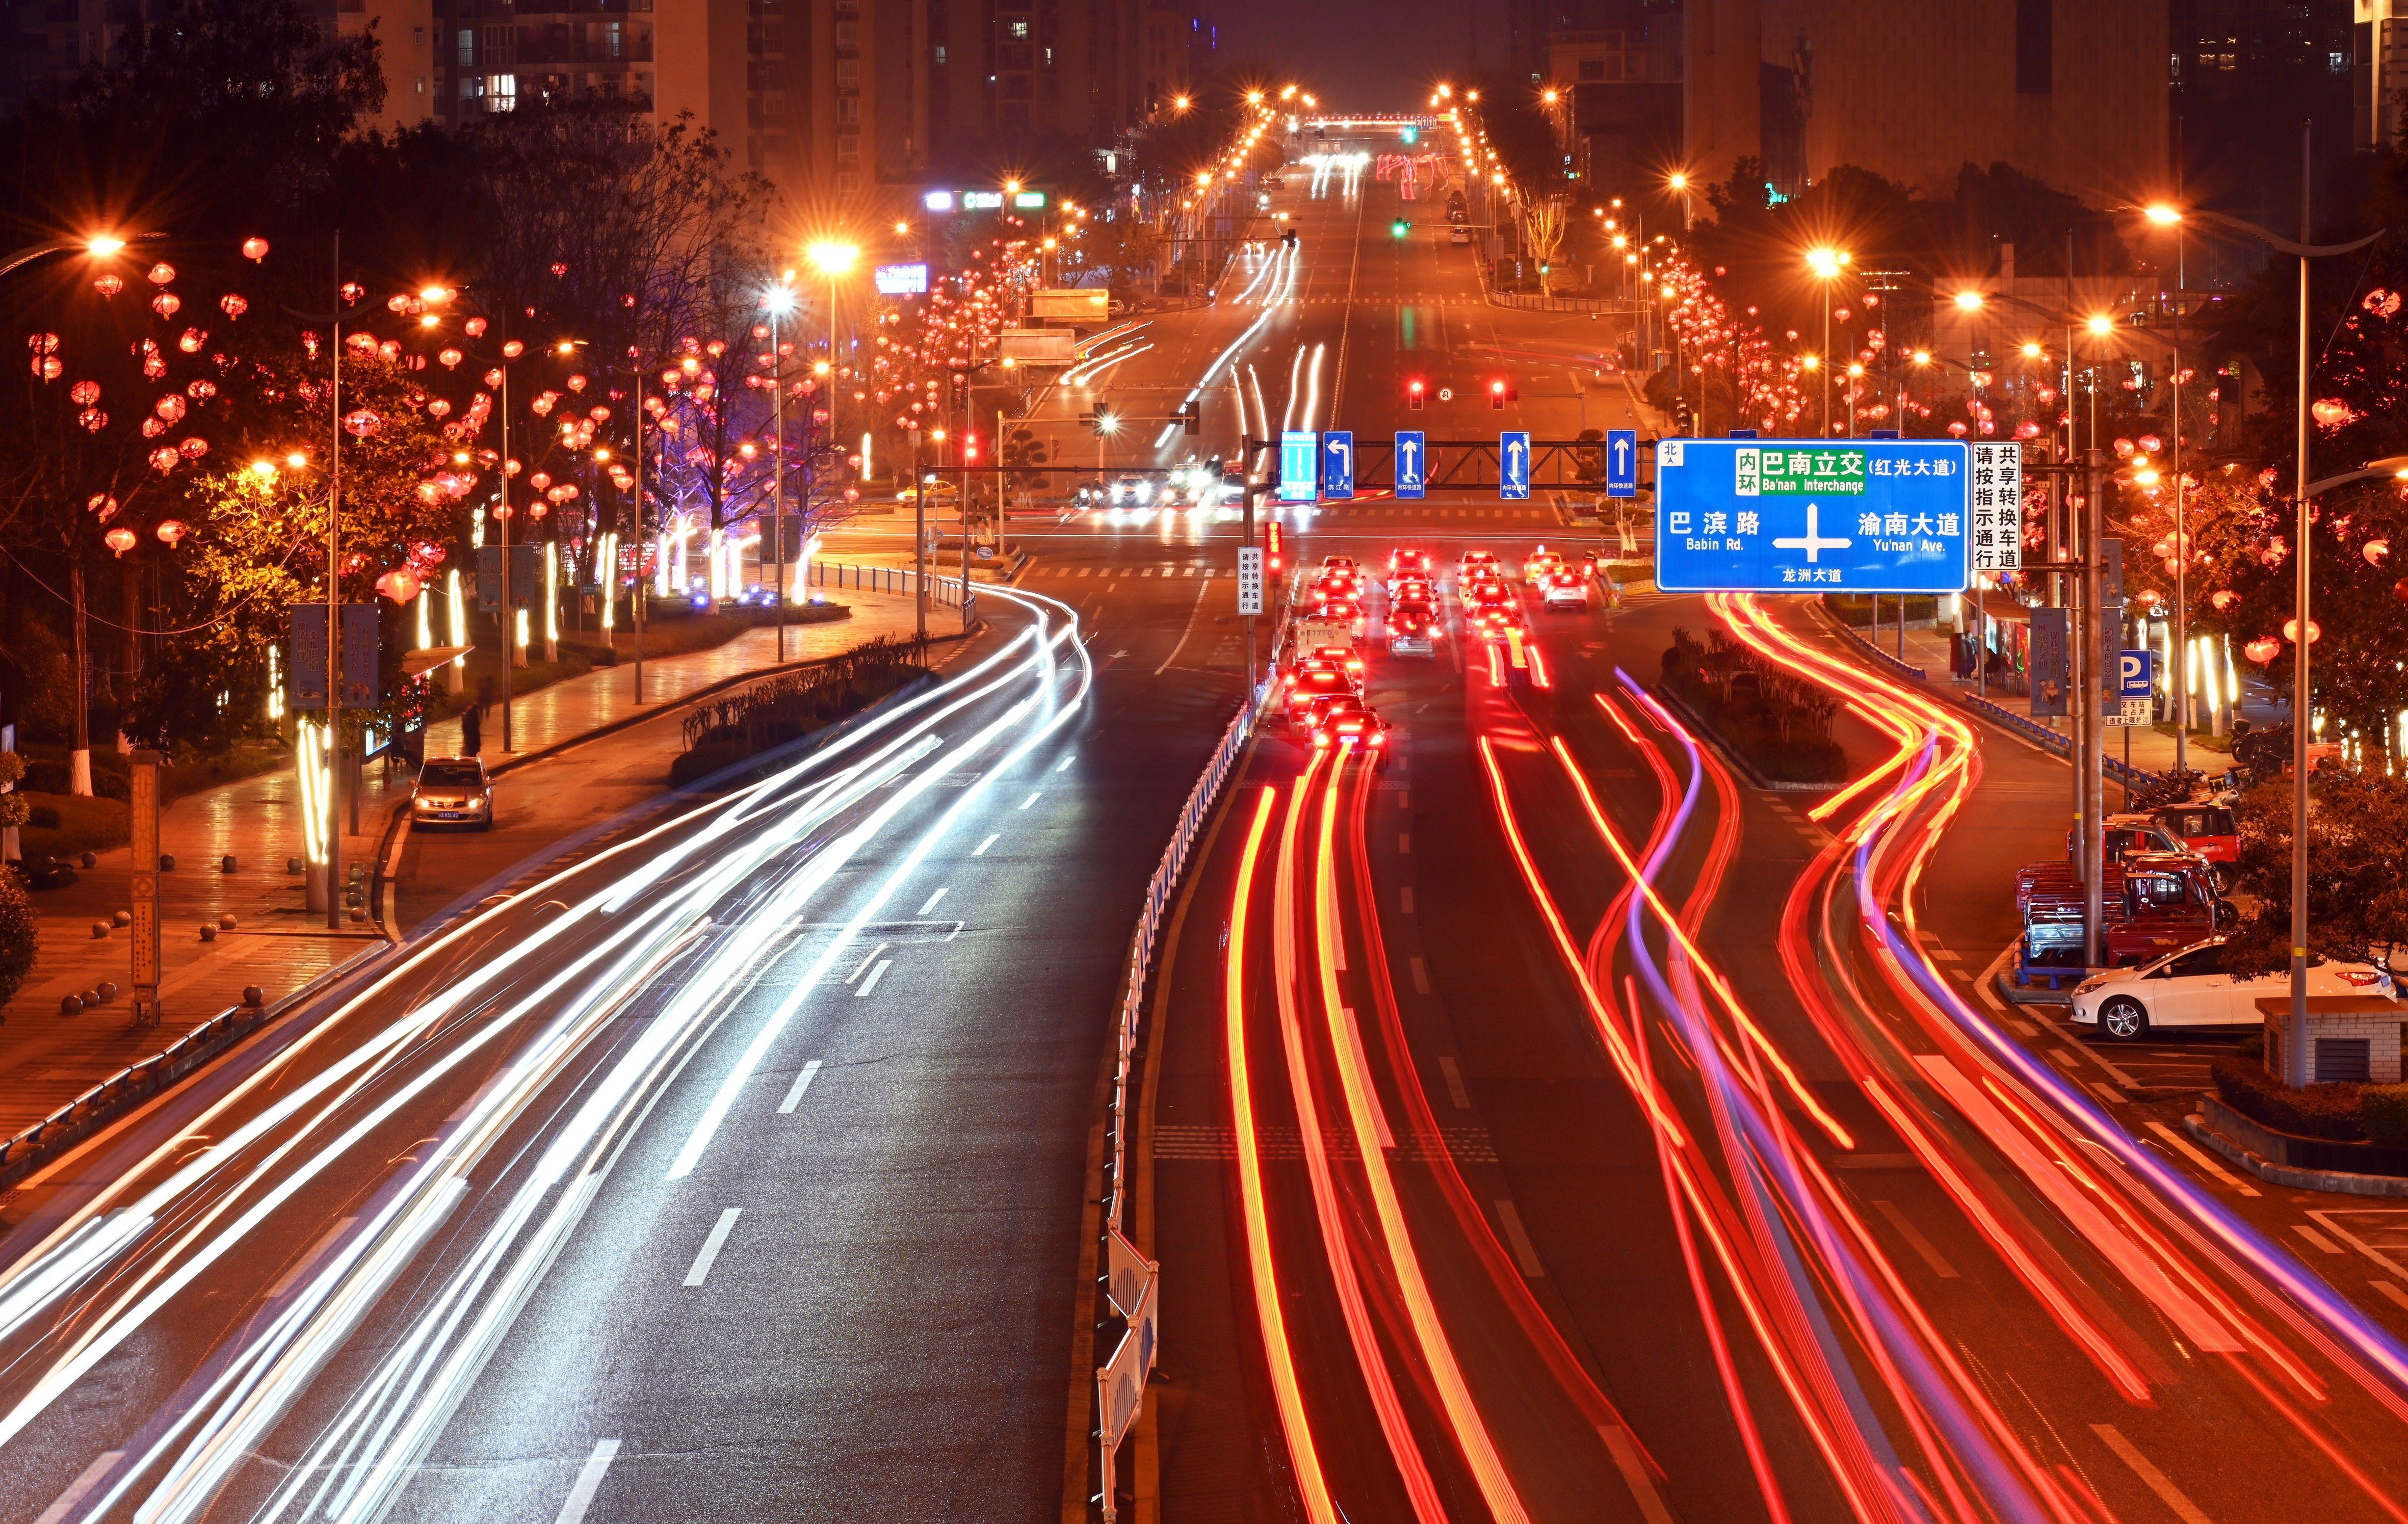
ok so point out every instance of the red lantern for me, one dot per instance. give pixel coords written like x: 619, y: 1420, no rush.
x: 2262, y: 650
x: 162, y: 273
x: 362, y: 424
x: 254, y: 250
x: 191, y: 342
x: 400, y: 584
x: 170, y: 531
x: 109, y: 285
x: 119, y: 540
x: 512, y: 350
x: 2375, y: 551
x: 2291, y: 630
x: 235, y: 306
x: 450, y: 357
x: 2223, y: 598
x: 475, y: 327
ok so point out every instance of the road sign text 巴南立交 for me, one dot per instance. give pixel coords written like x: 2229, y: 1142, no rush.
x: 1785, y: 516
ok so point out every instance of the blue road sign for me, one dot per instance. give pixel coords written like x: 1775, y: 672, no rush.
x: 1621, y: 463
x: 1299, y: 465
x: 1800, y: 515
x: 1337, y: 462
x: 2137, y: 674
x: 1413, y: 463
x: 1513, y: 464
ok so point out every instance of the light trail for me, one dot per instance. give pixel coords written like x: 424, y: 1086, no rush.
x: 1270, y: 1310
x: 277, y: 1362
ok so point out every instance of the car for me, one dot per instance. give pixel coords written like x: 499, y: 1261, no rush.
x: 1134, y: 490
x: 1564, y: 590
x: 2125, y: 834
x: 452, y: 791
x: 1350, y: 722
x: 1541, y: 562
x: 2193, y: 987
x: 1460, y: 235
x: 937, y: 487
x: 1412, y: 631
x: 1346, y: 658
x: 1409, y: 562
x: 1409, y: 593
x: 1475, y: 560
x: 1307, y: 684
x: 1493, y: 610
x: 1338, y: 611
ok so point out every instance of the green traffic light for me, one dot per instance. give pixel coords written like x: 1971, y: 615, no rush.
x: 1399, y: 227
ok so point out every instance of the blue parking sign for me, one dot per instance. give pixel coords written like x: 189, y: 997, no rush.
x: 2136, y: 674
x: 1812, y: 515
x: 1621, y: 463
x: 1299, y: 465
x: 1413, y: 463
x: 1337, y: 462
x: 1513, y: 465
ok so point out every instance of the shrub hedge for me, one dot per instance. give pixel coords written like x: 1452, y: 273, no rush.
x: 2320, y: 1111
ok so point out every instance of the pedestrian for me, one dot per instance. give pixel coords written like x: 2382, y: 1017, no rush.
x: 472, y: 725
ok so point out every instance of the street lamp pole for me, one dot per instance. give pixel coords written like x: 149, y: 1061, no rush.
x: 334, y: 619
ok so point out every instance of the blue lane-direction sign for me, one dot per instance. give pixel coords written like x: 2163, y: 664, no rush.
x: 1621, y: 463
x: 1812, y: 515
x: 2137, y: 674
x: 1413, y: 463
x: 1299, y: 465
x: 1337, y: 462
x: 1513, y: 465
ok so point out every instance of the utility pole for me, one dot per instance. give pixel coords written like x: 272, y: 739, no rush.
x: 2094, y: 755
x: 508, y: 615
x: 2295, y: 1042
x: 333, y: 622
x: 636, y: 590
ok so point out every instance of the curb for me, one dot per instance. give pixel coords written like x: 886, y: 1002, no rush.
x: 195, y: 1050
x: 2332, y: 1182
x: 1738, y: 763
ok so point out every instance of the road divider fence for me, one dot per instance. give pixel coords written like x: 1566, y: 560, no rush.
x: 1129, y: 1279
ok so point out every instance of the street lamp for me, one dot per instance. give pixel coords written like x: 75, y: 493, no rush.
x: 2295, y: 1057
x: 778, y: 302
x: 1827, y: 264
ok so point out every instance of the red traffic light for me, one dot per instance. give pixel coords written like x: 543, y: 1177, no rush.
x: 969, y: 447
x: 1271, y: 543
x: 1497, y: 394
x: 1416, y: 392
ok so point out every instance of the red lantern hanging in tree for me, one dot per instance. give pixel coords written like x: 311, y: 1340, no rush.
x: 119, y: 540
x: 254, y: 250
x: 170, y: 531
x: 400, y: 584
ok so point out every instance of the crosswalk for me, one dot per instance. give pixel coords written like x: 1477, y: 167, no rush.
x: 1163, y: 571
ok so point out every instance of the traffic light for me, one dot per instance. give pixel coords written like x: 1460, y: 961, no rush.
x: 1411, y: 135
x: 969, y: 448
x: 1416, y: 394
x: 1398, y: 228
x: 1192, y: 416
x: 1496, y: 395
x: 1271, y: 543
x: 1288, y: 238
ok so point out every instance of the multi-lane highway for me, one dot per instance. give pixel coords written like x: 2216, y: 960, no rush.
x: 1547, y: 1125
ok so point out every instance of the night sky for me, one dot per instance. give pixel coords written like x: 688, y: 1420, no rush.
x: 1362, y: 54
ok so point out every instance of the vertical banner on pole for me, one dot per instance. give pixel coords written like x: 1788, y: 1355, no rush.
x: 1995, y: 489
x: 144, y: 811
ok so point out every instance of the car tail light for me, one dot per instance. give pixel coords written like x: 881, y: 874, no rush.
x: 1378, y: 738
x: 1319, y: 738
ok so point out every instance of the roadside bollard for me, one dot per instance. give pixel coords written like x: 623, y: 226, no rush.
x: 122, y: 918
x: 99, y: 930
x: 253, y: 997
x: 167, y: 862
x: 209, y: 932
x: 225, y: 922
x: 226, y: 863
x: 70, y: 1005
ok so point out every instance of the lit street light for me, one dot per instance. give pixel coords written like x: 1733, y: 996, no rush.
x: 1828, y: 265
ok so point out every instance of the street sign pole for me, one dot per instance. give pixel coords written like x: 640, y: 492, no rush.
x: 2094, y: 750
x: 1246, y: 548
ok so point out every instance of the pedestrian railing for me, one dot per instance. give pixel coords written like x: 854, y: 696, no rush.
x: 1895, y: 664
x: 863, y: 577
x: 2058, y: 742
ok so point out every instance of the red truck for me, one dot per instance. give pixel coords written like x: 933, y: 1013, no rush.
x: 2209, y: 830
x: 2152, y: 902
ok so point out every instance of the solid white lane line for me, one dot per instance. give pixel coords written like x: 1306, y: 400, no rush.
x: 589, y: 1481
x: 1525, y: 1251
x: 2322, y: 1242
x: 1032, y: 799
x: 930, y: 903
x: 2182, y: 1146
x: 2158, y: 1481
x: 875, y: 974
x: 1454, y: 1090
x: 862, y: 967
x: 1064, y: 766
x: 802, y: 1083
x: 100, y: 1467
x: 711, y: 1247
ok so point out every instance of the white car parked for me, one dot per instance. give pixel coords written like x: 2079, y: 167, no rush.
x: 2191, y: 988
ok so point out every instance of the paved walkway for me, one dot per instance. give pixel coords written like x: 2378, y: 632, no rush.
x: 2151, y: 749
x: 47, y: 1059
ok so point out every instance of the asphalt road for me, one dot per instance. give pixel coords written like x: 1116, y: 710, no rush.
x: 1878, y: 1246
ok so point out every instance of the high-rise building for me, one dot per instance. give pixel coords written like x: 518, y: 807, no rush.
x: 2069, y: 91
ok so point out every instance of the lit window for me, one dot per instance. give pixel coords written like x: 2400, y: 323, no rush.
x: 501, y: 92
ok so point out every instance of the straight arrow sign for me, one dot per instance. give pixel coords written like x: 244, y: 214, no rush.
x: 1621, y: 463
x: 1513, y: 465
x: 1413, y: 463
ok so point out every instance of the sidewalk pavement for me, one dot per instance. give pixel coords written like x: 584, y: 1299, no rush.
x: 2151, y: 750
x: 47, y: 1059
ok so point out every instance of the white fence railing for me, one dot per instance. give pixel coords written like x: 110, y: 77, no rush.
x: 1129, y: 1276
x: 861, y: 577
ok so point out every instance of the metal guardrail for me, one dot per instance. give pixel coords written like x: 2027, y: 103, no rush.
x: 1129, y: 1279
x: 1524, y: 302
x: 944, y: 591
x: 2054, y: 741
